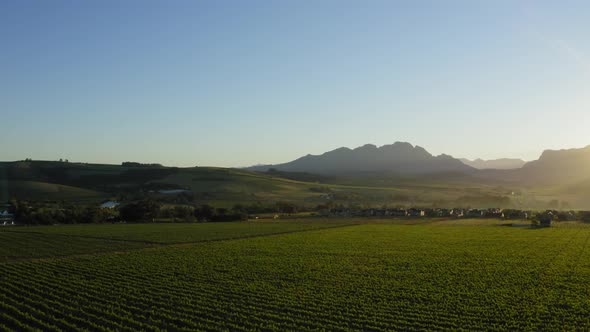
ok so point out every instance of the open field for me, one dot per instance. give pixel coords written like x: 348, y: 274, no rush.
x: 343, y: 275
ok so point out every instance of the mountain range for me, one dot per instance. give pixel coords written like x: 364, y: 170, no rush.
x: 371, y: 175
x: 561, y: 167
x: 553, y: 166
x: 400, y: 157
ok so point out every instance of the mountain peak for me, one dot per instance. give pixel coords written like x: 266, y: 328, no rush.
x: 398, y: 145
x: 551, y: 154
x: 341, y: 149
x: 366, y: 147
x: 399, y: 157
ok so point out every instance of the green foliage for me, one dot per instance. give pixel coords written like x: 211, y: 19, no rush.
x: 35, y: 213
x: 286, y: 207
x: 174, y: 233
x: 144, y: 210
x: 584, y: 216
x: 27, y: 243
x: 207, y: 213
x: 377, y: 277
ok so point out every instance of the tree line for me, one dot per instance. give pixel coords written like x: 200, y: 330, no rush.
x: 144, y: 210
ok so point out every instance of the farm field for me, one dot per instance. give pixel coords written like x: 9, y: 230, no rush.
x: 180, y: 232
x: 335, y: 275
x: 22, y: 245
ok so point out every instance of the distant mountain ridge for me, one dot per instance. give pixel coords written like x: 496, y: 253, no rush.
x: 400, y: 157
x: 559, y: 166
x: 503, y: 163
x: 554, y: 167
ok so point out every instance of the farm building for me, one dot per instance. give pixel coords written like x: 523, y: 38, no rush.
x: 545, y: 218
x: 6, y: 218
x: 416, y: 213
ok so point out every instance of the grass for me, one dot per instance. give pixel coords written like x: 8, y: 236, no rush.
x: 376, y: 275
x: 220, y: 186
x: 41, y: 191
x: 225, y: 187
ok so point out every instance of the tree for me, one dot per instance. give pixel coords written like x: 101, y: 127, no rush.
x: 584, y: 216
x: 221, y: 212
x: 183, y: 212
x: 286, y: 207
x: 238, y: 208
x: 140, y: 211
x: 204, y: 213
x: 240, y: 211
x: 23, y: 212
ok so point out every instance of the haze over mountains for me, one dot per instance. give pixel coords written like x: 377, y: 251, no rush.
x: 399, y: 172
x: 553, y: 167
x: 503, y: 163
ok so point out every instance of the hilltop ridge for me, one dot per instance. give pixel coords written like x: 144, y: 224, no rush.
x: 399, y: 157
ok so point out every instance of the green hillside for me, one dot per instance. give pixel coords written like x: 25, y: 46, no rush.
x: 40, y: 191
x: 44, y: 180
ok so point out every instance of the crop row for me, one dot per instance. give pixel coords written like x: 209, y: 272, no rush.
x: 370, y: 277
x: 181, y: 232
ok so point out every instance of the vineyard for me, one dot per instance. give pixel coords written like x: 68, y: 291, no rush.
x: 295, y: 275
x: 182, y: 232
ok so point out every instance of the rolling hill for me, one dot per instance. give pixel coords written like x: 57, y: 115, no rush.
x: 41, y: 191
x: 557, y: 175
x: 91, y: 183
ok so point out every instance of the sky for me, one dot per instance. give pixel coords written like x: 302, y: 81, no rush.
x: 238, y: 83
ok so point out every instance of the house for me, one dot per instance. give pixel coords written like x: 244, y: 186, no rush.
x: 442, y: 213
x: 6, y: 218
x: 492, y: 213
x: 546, y: 218
x: 398, y: 213
x: 457, y: 213
x: 566, y: 215
x: 416, y: 213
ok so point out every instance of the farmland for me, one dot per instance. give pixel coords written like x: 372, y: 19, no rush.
x: 223, y: 187
x: 296, y: 275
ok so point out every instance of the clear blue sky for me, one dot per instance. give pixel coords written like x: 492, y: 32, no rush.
x: 235, y: 83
